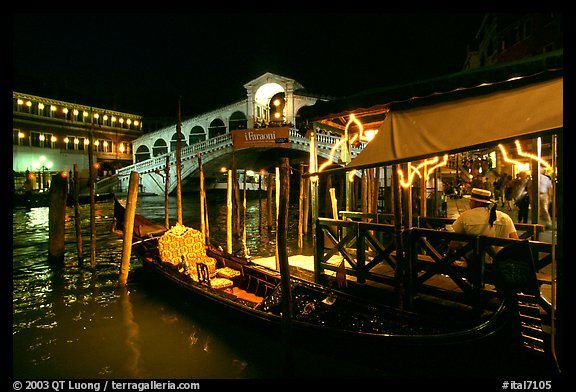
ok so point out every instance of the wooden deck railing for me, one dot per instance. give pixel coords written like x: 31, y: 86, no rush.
x: 525, y: 230
x: 370, y: 254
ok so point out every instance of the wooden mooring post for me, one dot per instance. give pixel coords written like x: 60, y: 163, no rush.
x: 131, y: 200
x: 166, y: 193
x: 204, y: 227
x: 229, y: 214
x: 269, y: 190
x: 92, y: 201
x: 301, y: 202
x: 77, y: 218
x: 57, y: 217
x: 179, y: 166
x: 282, y: 254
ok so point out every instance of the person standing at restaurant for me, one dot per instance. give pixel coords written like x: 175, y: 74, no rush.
x: 522, y: 196
x: 508, y: 192
x: 545, y: 190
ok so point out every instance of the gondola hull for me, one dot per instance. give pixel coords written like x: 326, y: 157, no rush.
x: 319, y: 311
x: 333, y: 321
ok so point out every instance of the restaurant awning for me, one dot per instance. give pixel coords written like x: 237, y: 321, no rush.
x: 455, y: 113
x: 448, y: 127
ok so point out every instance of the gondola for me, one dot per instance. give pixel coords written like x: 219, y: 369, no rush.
x: 245, y: 288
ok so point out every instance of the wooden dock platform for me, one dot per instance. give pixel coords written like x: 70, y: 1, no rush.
x: 303, y: 267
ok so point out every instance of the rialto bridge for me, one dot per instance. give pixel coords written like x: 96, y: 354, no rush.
x: 256, y: 131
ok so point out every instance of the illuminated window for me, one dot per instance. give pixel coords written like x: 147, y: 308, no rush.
x: 46, y: 140
x: 99, y: 145
x: 19, y: 138
x: 80, y: 143
x: 69, y: 142
x: 107, y: 145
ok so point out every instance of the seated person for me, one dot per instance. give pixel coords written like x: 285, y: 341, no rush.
x: 480, y: 219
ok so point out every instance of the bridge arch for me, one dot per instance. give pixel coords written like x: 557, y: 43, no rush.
x: 142, y: 153
x: 174, y: 141
x: 160, y: 147
x: 197, y: 134
x: 237, y: 121
x: 264, y: 108
x: 216, y: 128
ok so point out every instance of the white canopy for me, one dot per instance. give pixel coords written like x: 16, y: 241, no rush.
x: 427, y: 131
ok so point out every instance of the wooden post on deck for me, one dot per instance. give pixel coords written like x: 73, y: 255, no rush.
x: 397, y: 206
x: 375, y: 191
x: 306, y: 212
x: 313, y: 168
x: 278, y: 191
x: 57, y: 217
x: 301, y: 208
x: 406, y: 203
x: 77, y: 219
x: 282, y: 252
x: 365, y: 193
x: 334, y: 203
x: 423, y: 206
x: 128, y: 233
x: 229, y: 214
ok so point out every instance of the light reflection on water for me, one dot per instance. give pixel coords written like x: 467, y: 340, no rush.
x: 70, y: 321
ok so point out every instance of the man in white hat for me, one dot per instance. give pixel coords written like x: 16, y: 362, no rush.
x: 480, y: 219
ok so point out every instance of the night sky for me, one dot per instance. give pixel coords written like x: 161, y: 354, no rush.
x: 142, y: 63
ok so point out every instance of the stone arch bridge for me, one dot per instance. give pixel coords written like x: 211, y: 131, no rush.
x: 216, y: 152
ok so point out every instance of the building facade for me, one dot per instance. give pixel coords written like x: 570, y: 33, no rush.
x: 504, y: 37
x: 50, y: 136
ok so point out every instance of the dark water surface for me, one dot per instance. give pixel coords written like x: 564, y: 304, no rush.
x: 70, y: 321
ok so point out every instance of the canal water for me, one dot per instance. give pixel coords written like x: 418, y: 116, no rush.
x: 73, y: 322
x: 70, y: 321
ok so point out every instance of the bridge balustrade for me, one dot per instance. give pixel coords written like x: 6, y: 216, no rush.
x: 210, y: 149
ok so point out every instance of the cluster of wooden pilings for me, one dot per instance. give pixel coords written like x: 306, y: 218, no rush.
x: 59, y: 188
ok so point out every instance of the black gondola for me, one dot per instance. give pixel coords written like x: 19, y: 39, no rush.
x: 319, y: 311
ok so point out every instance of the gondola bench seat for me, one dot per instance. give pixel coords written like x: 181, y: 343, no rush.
x: 184, y: 247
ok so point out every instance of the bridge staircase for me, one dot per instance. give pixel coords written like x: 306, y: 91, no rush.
x: 152, y: 171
